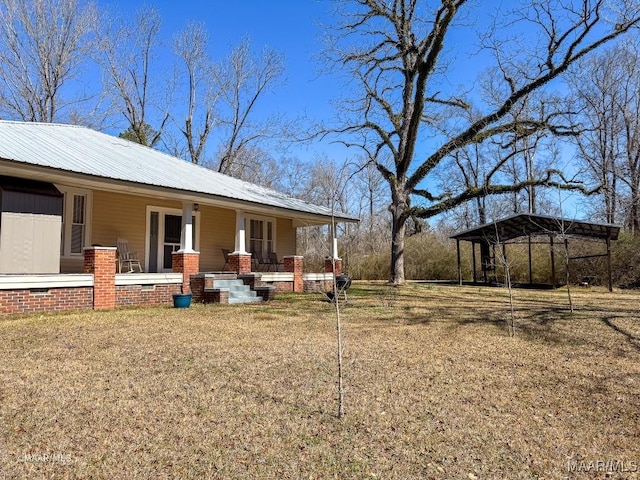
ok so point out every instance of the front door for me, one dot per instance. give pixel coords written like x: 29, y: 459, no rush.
x: 164, y: 227
x: 171, y: 238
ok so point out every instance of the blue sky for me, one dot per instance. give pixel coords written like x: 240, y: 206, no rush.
x: 291, y: 27
x: 294, y: 27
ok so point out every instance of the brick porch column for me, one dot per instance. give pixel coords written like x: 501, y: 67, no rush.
x: 186, y: 263
x: 101, y: 262
x: 239, y: 263
x: 328, y: 265
x: 294, y: 264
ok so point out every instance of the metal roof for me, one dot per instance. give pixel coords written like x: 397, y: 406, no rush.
x: 524, y: 225
x: 70, y: 148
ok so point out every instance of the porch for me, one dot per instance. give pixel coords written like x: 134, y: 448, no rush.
x: 100, y: 287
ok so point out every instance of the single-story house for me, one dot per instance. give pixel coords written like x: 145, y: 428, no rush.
x: 66, y: 190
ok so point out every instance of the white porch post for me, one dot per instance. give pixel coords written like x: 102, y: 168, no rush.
x: 186, y: 236
x: 240, y: 246
x: 334, y: 238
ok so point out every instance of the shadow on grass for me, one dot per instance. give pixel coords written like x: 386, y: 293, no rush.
x: 633, y: 339
x: 541, y: 317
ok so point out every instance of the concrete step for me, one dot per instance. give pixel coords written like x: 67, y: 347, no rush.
x: 236, y: 300
x: 238, y: 291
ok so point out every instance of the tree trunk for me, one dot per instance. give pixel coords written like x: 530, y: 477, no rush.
x: 397, y: 251
x: 399, y: 222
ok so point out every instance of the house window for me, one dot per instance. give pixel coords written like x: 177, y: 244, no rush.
x: 78, y: 224
x: 75, y: 221
x: 256, y: 236
x: 261, y: 235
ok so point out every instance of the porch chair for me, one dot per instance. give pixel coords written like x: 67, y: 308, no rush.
x: 274, y: 262
x: 126, y: 257
x: 258, y: 261
x: 225, y: 254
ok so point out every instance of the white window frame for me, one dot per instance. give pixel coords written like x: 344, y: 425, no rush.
x: 265, y: 229
x: 147, y: 234
x: 67, y: 219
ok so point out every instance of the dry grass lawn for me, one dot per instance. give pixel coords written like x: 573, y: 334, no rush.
x: 435, y: 388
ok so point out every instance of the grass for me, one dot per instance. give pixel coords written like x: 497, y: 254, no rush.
x: 435, y: 388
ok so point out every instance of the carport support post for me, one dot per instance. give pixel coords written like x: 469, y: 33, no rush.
x: 459, y: 265
x: 473, y: 256
x: 609, y: 264
x: 553, y: 262
x: 530, y: 264
x: 505, y: 266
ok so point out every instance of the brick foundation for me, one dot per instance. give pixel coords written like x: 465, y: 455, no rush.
x: 318, y: 286
x: 136, y: 295
x: 51, y: 300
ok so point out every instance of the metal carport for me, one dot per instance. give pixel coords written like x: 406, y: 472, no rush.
x: 529, y: 225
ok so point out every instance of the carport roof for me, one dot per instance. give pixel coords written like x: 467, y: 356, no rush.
x: 527, y: 224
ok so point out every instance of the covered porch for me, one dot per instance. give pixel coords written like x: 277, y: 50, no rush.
x: 71, y: 195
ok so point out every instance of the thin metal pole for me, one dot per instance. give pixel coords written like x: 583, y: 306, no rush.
x: 459, y: 264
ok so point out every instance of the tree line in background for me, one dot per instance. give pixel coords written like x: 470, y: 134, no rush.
x: 554, y: 109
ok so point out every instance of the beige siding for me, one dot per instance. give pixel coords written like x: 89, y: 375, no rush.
x: 116, y: 215
x: 72, y: 264
x: 122, y: 216
x: 286, y: 237
x: 217, y: 231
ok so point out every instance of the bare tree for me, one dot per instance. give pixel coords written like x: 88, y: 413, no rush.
x: 127, y: 52
x: 595, y: 82
x: 369, y: 199
x: 630, y: 168
x: 203, y: 87
x: 248, y: 80
x: 608, y: 96
x: 256, y: 165
x: 393, y: 51
x: 43, y: 45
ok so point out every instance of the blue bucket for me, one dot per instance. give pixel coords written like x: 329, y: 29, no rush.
x: 181, y: 300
